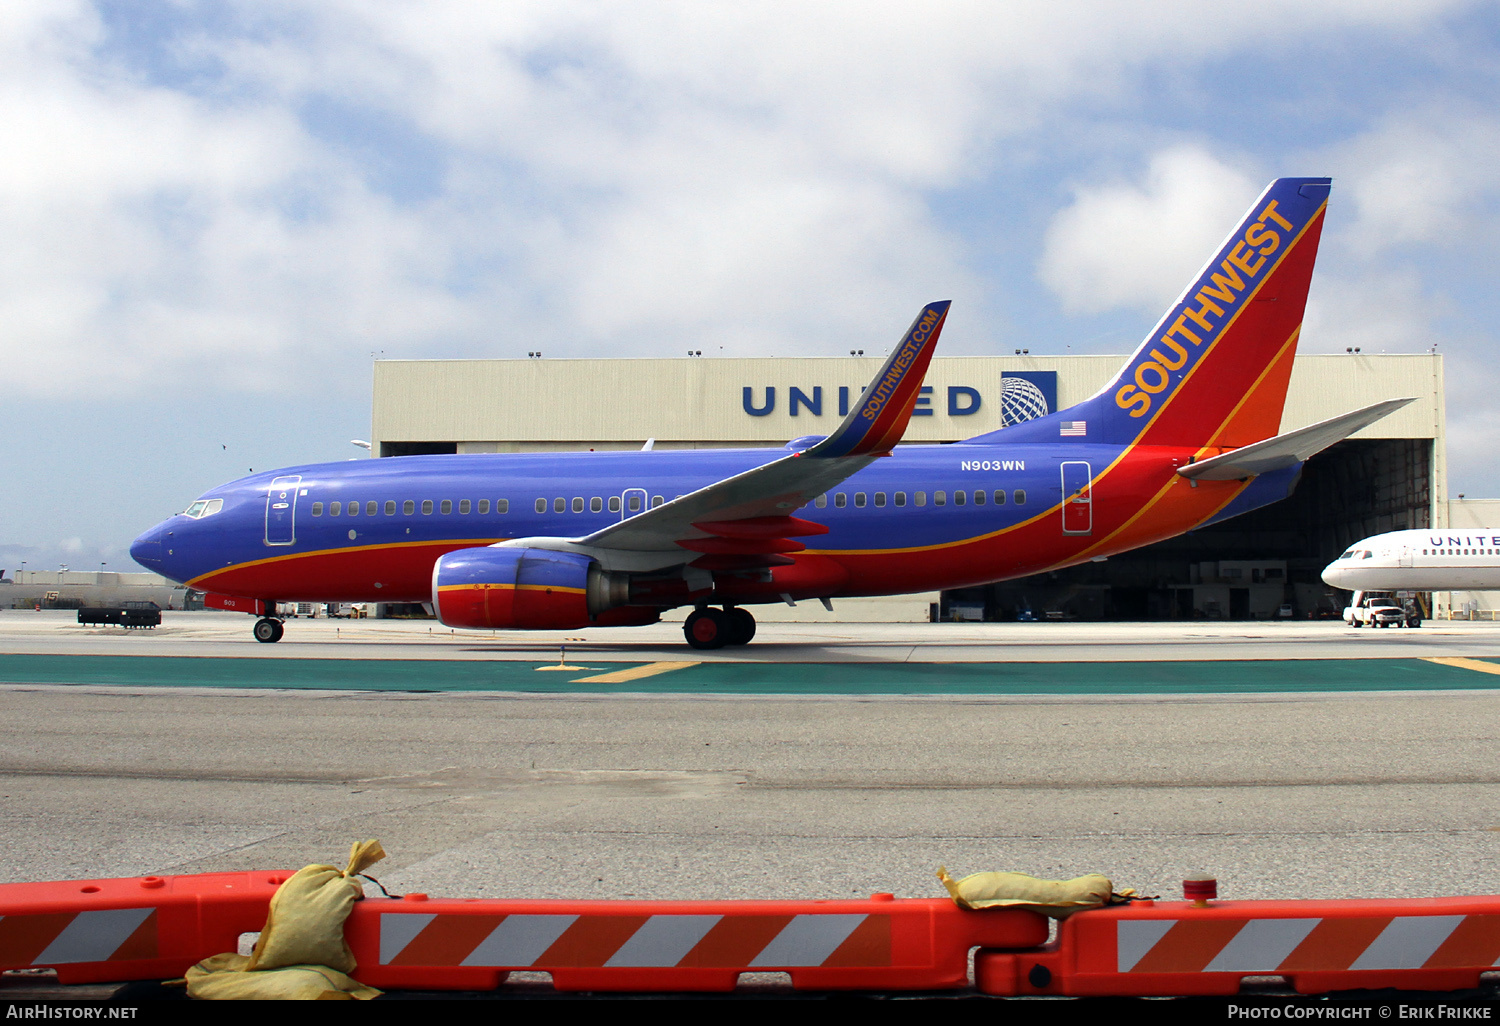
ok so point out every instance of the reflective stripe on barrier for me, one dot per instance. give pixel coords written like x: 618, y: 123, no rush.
x: 1175, y: 948
x: 140, y: 928
x: 113, y: 935
x: 877, y: 944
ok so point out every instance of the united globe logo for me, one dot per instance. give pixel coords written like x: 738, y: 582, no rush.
x: 1021, y: 400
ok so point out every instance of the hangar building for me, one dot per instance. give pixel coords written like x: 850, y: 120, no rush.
x: 1390, y: 476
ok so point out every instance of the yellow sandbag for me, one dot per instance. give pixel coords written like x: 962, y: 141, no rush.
x: 224, y: 978
x: 1056, y: 898
x: 306, y: 922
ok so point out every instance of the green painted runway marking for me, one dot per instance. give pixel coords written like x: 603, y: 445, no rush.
x: 1227, y: 677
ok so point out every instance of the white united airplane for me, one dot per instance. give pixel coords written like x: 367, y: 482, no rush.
x: 1421, y: 560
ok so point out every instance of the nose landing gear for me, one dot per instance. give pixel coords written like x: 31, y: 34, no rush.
x: 714, y: 628
x: 268, y: 630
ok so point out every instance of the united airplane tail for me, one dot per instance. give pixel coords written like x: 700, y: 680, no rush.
x: 1214, y: 370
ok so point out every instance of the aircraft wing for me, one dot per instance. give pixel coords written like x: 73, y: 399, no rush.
x: 746, y: 520
x: 1291, y: 448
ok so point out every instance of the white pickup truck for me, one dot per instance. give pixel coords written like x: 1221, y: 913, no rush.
x: 1378, y: 611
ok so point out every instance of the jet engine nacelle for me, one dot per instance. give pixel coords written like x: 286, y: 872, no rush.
x: 530, y: 589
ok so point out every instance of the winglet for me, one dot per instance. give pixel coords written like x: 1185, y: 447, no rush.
x: 880, y: 419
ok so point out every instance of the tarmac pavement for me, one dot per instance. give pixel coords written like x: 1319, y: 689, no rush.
x: 491, y: 794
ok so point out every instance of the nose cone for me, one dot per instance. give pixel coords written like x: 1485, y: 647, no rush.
x: 147, y: 550
x: 1333, y: 575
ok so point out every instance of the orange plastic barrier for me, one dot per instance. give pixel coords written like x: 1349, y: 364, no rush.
x: 141, y: 928
x: 875, y: 944
x: 156, y: 927
x: 1176, y: 948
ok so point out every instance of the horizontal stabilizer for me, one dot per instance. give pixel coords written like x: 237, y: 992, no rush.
x: 1289, y: 449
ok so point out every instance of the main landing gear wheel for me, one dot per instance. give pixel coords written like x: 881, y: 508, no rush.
x: 268, y: 630
x: 707, y: 628
x: 715, y: 628
x: 742, y: 626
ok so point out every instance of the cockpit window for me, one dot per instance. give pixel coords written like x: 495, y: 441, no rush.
x: 1366, y: 554
x: 203, y: 508
x: 1349, y: 554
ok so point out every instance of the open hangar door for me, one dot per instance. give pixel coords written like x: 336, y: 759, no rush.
x: 1244, y: 568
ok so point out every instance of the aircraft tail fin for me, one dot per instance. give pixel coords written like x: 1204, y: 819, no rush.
x: 1214, y: 371
x: 879, y: 420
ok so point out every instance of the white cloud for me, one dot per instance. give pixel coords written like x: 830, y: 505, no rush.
x: 1422, y: 176
x: 609, y: 177
x: 1380, y: 310
x: 152, y: 236
x: 1138, y: 246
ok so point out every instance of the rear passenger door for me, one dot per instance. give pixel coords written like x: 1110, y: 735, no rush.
x: 1078, y: 497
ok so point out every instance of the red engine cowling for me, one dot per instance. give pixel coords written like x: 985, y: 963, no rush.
x: 530, y: 589
x: 526, y: 588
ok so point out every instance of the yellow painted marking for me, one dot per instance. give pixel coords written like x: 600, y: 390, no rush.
x: 634, y: 673
x: 1465, y: 664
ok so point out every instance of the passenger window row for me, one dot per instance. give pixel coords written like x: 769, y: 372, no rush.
x: 409, y: 507
x: 978, y: 497
x: 595, y: 504
x: 633, y: 503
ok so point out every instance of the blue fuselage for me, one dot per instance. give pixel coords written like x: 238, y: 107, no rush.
x: 926, y: 517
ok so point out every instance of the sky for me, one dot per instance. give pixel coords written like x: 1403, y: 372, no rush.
x: 215, y: 215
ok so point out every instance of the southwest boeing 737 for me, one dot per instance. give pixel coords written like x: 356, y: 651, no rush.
x: 1185, y: 435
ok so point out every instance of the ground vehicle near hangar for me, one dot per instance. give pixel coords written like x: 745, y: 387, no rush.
x: 1377, y: 611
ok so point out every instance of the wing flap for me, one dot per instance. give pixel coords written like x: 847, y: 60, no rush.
x: 741, y: 546
x: 762, y: 527
x: 737, y: 564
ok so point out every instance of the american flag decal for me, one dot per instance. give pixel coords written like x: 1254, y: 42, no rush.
x: 1073, y: 428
